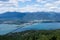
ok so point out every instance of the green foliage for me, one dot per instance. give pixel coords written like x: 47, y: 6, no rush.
x: 33, y: 35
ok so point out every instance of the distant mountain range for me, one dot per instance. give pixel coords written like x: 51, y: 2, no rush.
x: 17, y: 16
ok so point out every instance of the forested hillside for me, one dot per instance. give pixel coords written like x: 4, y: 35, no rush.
x: 33, y: 35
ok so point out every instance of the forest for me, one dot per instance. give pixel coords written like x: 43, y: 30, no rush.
x: 33, y: 35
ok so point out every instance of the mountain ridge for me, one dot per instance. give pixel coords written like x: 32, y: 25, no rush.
x: 25, y: 17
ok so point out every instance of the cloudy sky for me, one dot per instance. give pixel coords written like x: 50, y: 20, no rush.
x: 29, y: 5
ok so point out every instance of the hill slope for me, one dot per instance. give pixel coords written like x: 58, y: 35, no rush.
x: 33, y: 35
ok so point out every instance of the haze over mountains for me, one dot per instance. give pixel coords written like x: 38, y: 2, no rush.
x: 15, y: 16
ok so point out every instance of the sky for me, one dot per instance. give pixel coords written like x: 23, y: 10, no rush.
x: 29, y: 6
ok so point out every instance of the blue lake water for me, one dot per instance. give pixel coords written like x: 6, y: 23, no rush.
x: 6, y: 28
x: 40, y: 26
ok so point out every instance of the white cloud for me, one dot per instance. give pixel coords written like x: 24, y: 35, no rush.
x: 39, y: 0
x: 24, y: 0
x: 9, y: 3
x: 36, y: 8
x: 12, y: 5
x: 29, y: 8
x: 48, y: 6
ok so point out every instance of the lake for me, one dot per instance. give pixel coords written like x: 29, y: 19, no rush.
x: 7, y: 28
